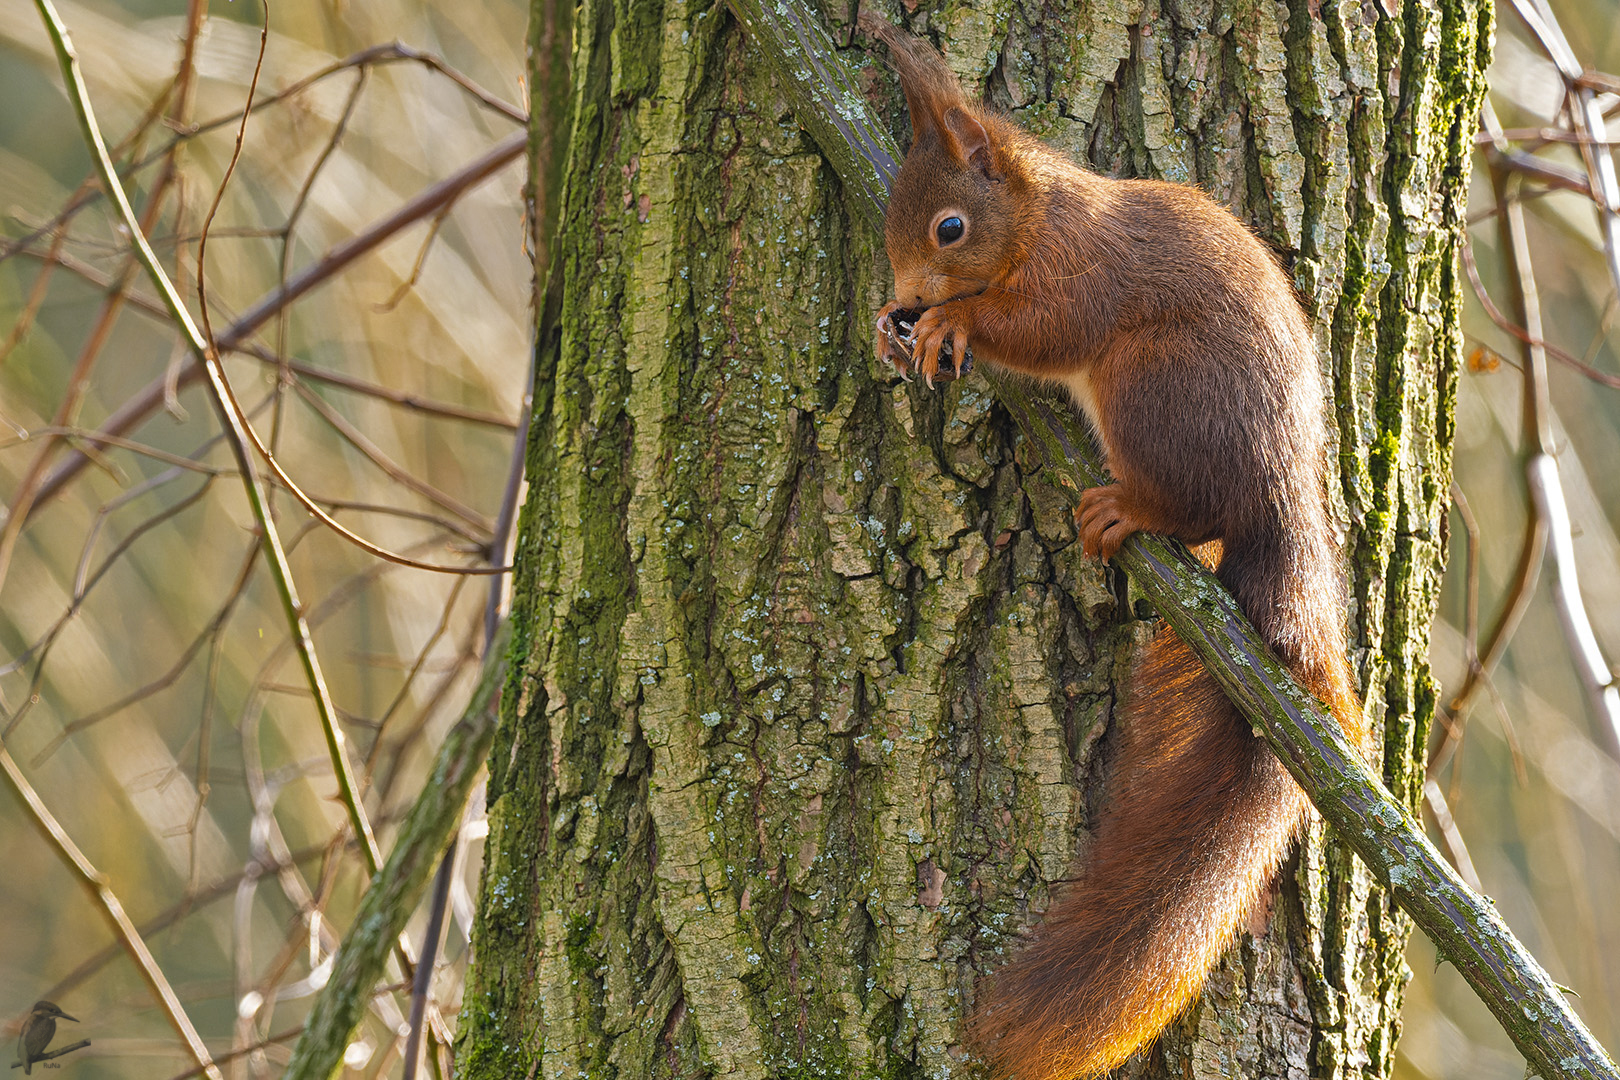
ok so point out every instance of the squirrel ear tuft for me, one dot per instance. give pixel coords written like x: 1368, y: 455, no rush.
x: 931, y: 89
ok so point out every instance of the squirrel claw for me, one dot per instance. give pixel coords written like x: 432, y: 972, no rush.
x: 893, y: 340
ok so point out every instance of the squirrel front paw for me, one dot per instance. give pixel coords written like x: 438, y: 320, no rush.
x: 937, y: 326
x: 900, y: 341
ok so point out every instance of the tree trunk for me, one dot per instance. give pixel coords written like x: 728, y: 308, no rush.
x: 813, y: 688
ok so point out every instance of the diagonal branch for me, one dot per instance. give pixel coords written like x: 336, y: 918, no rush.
x: 1461, y: 923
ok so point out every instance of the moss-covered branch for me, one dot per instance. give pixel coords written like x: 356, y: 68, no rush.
x: 1462, y: 924
x: 827, y: 98
x: 394, y: 892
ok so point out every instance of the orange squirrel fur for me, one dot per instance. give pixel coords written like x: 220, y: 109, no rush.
x: 1178, y: 334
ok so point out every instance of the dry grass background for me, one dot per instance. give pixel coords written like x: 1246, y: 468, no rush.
x: 191, y: 797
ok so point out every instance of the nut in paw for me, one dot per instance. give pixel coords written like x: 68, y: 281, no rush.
x: 898, y: 340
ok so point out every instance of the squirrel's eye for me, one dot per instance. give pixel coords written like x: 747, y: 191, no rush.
x: 950, y: 230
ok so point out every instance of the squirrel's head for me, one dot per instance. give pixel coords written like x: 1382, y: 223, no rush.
x: 950, y: 219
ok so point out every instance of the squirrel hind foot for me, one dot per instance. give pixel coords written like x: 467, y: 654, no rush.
x: 1106, y: 517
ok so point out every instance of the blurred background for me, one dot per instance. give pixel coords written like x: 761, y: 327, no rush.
x: 150, y: 695
x: 148, y: 691
x: 1532, y: 784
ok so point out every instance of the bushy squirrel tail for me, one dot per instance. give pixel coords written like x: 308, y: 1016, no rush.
x: 1199, y: 815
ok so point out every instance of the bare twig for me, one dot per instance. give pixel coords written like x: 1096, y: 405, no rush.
x: 148, y: 306
x: 1435, y: 799
x: 1546, y: 491
x: 231, y: 419
x: 269, y: 1040
x: 78, y: 383
x: 289, y: 226
x: 375, y: 55
x: 430, y: 948
x: 1533, y: 340
x: 357, y: 439
x: 424, y: 204
x: 36, y: 297
x: 410, y: 676
x: 1587, y: 119
x: 1597, y: 677
x: 191, y: 902
x: 405, y: 287
x: 163, y: 681
x: 1550, y: 173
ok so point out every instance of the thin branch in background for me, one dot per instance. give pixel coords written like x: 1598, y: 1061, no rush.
x: 1605, y: 324
x: 90, y: 435
x: 1471, y: 576
x: 1556, y: 176
x: 1450, y: 835
x: 202, y: 771
x: 1531, y: 553
x: 78, y: 384
x: 357, y: 439
x: 36, y: 298
x: 394, y: 893
x: 426, y: 202
x: 1541, y: 137
x: 284, y: 256
x: 472, y: 541
x: 148, y: 306
x: 409, y: 283
x: 163, y: 681
x: 1587, y: 119
x: 269, y: 1040
x: 84, y: 580
x: 1597, y: 676
x: 193, y: 901
x: 466, y: 657
x: 376, y: 55
x: 1541, y: 469
x: 409, y: 682
x: 184, y: 367
x: 402, y: 398
x: 423, y: 984
x: 39, y: 650
x: 373, y: 56
x: 177, y: 95
x: 231, y: 419
x: 1532, y: 340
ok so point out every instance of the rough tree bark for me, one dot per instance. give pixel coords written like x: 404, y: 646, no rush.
x: 812, y: 688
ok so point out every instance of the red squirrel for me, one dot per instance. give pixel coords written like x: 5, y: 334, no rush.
x: 1178, y: 334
